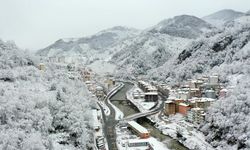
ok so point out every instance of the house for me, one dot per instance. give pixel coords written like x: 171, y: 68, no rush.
x: 183, y: 108
x: 210, y: 94
x: 223, y: 93
x: 169, y: 108
x: 213, y: 79
x: 99, y: 92
x: 41, y: 66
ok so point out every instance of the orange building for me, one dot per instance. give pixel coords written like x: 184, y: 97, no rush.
x: 183, y: 108
x: 138, y: 129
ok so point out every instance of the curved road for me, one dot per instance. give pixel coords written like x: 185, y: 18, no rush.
x: 110, y: 122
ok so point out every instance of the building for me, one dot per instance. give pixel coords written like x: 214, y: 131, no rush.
x: 163, y: 88
x: 138, y: 95
x: 223, y: 93
x: 196, y: 115
x: 61, y: 59
x: 213, y: 79
x: 169, y: 108
x: 183, y: 108
x: 138, y: 129
x: 52, y: 59
x: 203, y: 103
x: 195, y: 92
x: 41, y: 66
x: 99, y: 92
x: 139, y: 144
x: 146, y: 87
x: 210, y: 94
x: 151, y: 96
x: 177, y: 102
x: 195, y: 83
x: 185, y: 95
x: 86, y: 75
x: 110, y: 83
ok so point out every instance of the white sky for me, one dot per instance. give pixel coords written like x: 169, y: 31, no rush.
x: 35, y: 24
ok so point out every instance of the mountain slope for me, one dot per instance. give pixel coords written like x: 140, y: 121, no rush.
x: 208, y: 52
x: 145, y: 52
x: 248, y: 12
x: 223, y: 16
x: 183, y: 26
x: 89, y: 48
x: 158, y: 44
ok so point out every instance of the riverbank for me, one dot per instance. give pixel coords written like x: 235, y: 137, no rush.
x: 123, y: 135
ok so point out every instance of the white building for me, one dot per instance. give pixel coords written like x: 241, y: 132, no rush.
x: 196, y: 115
x: 214, y: 79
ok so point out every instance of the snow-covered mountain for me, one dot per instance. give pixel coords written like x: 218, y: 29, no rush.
x: 248, y: 12
x: 208, y: 52
x: 223, y: 16
x: 105, y: 44
x: 146, y: 51
x: 183, y: 26
x: 158, y: 44
x: 98, y: 46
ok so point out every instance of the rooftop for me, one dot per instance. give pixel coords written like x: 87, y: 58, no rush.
x: 138, y: 127
x: 183, y: 104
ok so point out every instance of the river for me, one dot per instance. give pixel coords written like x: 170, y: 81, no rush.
x: 119, y: 100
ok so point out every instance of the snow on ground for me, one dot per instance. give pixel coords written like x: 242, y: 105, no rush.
x: 147, y: 105
x: 191, y: 137
x: 124, y: 136
x: 139, y: 103
x: 118, y: 113
x: 105, y: 108
x: 102, y: 67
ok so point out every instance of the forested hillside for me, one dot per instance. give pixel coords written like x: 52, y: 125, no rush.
x: 40, y: 109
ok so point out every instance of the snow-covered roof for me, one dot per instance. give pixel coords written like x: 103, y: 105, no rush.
x: 168, y: 101
x: 151, y: 93
x: 138, y: 127
x: 99, y: 88
x: 196, y: 109
x: 224, y: 90
x: 171, y: 98
x: 183, y: 104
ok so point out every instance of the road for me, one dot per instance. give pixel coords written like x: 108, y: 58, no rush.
x: 148, y: 113
x: 110, y: 123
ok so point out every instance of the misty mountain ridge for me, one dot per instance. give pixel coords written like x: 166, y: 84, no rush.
x: 221, y: 17
x: 184, y: 26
